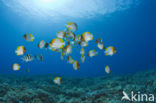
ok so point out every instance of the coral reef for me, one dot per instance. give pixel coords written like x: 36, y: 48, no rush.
x: 106, y: 89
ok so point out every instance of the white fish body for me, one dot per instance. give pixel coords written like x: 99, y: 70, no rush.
x: 87, y: 36
x: 92, y: 53
x: 68, y: 49
x: 82, y: 58
x: 57, y: 44
x: 71, y: 26
x: 76, y: 65
x: 20, y: 50
x: 42, y: 44
x: 28, y: 37
x: 107, y: 69
x: 57, y: 80
x: 70, y: 60
x: 83, y: 44
x: 60, y: 34
x: 16, y: 67
x: 110, y: 51
x: 100, y: 46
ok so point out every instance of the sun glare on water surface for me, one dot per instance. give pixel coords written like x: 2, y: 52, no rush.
x: 67, y: 8
x: 48, y: 4
x: 48, y: 1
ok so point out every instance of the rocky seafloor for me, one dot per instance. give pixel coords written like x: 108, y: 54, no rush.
x: 106, y: 89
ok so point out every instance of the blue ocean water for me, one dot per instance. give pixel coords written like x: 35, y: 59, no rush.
x: 131, y: 31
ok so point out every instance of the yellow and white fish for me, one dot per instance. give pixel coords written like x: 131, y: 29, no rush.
x: 82, y: 58
x: 107, y: 69
x: 82, y: 52
x: 83, y: 44
x: 16, y: 67
x: 71, y: 26
x: 28, y: 37
x: 92, y: 53
x: 110, y: 51
x: 70, y: 60
x: 70, y: 36
x: 87, y: 36
x: 57, y: 80
x: 100, y: 46
x: 42, y: 44
x: 68, y: 49
x: 76, y: 65
x: 56, y: 43
x: 20, y: 50
x: 60, y: 34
